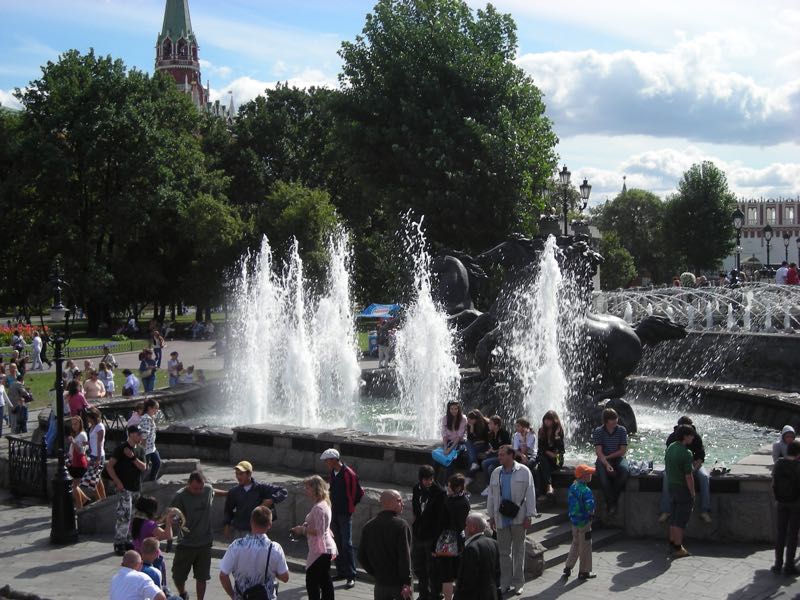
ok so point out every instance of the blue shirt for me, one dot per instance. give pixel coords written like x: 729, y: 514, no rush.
x: 152, y: 573
x: 505, y: 491
x: 580, y: 503
x: 610, y: 441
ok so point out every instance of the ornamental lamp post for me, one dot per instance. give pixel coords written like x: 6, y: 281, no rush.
x: 738, y: 222
x: 768, y: 237
x: 797, y: 241
x: 63, y: 525
x: 586, y: 189
x: 786, y: 238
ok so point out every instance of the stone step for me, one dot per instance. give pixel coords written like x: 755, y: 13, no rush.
x: 600, y: 538
x: 552, y: 517
x: 554, y: 535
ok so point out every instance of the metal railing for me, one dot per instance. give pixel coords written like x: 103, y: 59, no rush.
x: 27, y: 467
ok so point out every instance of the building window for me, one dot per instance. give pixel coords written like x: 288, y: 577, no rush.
x: 788, y: 214
x: 752, y: 215
x: 772, y: 215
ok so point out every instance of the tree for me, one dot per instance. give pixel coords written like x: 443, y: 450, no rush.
x: 435, y: 117
x: 618, y: 268
x: 293, y: 210
x: 636, y: 217
x: 700, y: 232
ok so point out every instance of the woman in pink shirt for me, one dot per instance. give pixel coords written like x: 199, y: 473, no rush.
x: 77, y: 401
x: 321, y: 547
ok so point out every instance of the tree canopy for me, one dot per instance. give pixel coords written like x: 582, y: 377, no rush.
x: 698, y: 222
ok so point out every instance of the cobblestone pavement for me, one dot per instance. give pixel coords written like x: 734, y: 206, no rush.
x: 627, y: 569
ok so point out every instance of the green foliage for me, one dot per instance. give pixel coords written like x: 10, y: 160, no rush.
x: 118, y: 337
x: 698, y: 223
x: 436, y: 117
x: 293, y: 210
x: 636, y: 217
x: 618, y: 269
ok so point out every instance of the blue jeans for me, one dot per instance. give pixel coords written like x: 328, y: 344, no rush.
x: 157, y: 356
x: 154, y: 458
x: 149, y: 383
x: 703, y: 482
x: 489, y: 464
x: 173, y: 381
x: 342, y: 527
x: 475, y: 448
x: 613, y: 484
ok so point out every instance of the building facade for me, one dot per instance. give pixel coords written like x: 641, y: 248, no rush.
x: 178, y: 53
x: 783, y: 216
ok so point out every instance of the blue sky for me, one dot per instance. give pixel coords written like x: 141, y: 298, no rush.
x: 634, y: 88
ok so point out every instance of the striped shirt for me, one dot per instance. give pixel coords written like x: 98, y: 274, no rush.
x: 610, y: 441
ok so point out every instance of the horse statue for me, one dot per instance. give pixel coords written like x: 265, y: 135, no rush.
x: 459, y: 277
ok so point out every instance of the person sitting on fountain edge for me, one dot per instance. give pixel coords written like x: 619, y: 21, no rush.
x: 700, y: 474
x: 526, y: 448
x: 611, y: 443
x: 780, y: 447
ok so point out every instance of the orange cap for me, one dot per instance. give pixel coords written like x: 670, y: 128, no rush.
x: 582, y: 470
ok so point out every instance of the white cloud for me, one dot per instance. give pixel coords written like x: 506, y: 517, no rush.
x: 246, y: 88
x: 8, y: 100
x: 210, y: 68
x: 687, y: 91
x: 659, y: 171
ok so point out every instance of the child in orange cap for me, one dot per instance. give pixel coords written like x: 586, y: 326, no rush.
x: 580, y: 502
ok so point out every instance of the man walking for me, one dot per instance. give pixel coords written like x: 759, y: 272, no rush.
x: 125, y: 468
x: 786, y: 487
x: 246, y: 496
x: 385, y: 550
x: 345, y: 493
x: 678, y: 460
x: 427, y: 503
x: 254, y: 559
x: 37, y: 352
x: 479, y: 569
x: 193, y: 551
x: 610, y: 444
x: 511, y: 504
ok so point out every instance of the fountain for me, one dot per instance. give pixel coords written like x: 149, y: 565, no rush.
x: 297, y: 355
x: 730, y: 321
x: 628, y: 316
x: 709, y: 316
x: 426, y: 366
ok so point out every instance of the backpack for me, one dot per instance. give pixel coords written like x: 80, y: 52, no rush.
x: 785, y: 481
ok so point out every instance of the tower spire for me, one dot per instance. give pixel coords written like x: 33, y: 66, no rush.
x: 624, y: 185
x: 177, y: 51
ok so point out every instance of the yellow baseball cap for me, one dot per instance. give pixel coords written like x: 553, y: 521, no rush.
x: 244, y: 466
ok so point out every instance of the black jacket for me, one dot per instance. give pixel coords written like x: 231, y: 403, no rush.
x: 385, y: 549
x: 427, y: 506
x: 479, y: 570
x: 454, y: 516
x: 698, y: 451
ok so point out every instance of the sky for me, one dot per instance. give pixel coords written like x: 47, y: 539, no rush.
x: 635, y: 88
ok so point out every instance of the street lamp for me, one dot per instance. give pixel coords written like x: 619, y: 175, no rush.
x: 786, y: 238
x: 768, y: 237
x: 738, y: 222
x: 63, y: 526
x: 586, y: 189
x: 797, y: 240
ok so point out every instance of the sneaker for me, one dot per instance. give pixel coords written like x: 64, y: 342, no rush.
x: 350, y: 583
x: 776, y: 569
x: 706, y: 517
x: 567, y: 571
x: 119, y: 549
x: 485, y: 492
x: 518, y: 591
x: 664, y: 517
x: 680, y: 553
x: 587, y: 575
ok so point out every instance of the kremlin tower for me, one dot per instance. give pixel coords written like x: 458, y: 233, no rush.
x: 176, y: 52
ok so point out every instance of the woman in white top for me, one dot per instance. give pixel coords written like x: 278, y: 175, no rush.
x: 524, y: 444
x: 78, y: 442
x: 93, y: 478
x: 4, y: 402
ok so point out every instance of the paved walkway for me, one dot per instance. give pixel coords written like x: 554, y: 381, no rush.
x: 633, y: 569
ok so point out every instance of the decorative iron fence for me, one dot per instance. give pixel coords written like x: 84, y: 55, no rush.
x: 27, y: 466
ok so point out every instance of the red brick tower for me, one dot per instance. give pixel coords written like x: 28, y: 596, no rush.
x: 176, y: 52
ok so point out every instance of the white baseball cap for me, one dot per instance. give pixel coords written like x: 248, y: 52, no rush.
x: 330, y: 453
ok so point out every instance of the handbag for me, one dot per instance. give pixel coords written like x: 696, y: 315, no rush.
x: 447, y: 543
x: 508, y: 509
x: 261, y: 591
x: 444, y: 459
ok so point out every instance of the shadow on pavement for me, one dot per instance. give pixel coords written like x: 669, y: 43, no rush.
x: 634, y: 576
x: 562, y: 587
x: 62, y: 566
x: 765, y: 584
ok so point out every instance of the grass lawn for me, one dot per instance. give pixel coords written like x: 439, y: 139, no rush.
x: 40, y: 384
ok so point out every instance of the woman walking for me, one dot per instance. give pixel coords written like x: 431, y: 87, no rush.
x: 93, y: 478
x: 450, y: 544
x: 321, y: 547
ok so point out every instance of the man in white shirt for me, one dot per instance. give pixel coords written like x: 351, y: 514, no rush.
x: 251, y: 558
x: 781, y: 273
x: 131, y: 584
